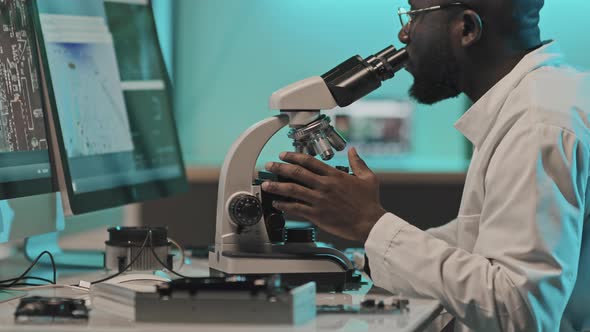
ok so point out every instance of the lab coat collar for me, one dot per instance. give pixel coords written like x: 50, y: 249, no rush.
x: 477, y: 122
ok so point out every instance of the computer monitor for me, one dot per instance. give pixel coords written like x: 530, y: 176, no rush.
x: 25, y: 169
x: 110, y: 102
x: 26, y: 173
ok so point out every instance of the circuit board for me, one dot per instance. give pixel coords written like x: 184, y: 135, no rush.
x: 22, y: 123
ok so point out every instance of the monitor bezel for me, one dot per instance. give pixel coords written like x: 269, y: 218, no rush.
x: 103, y: 199
x: 25, y: 188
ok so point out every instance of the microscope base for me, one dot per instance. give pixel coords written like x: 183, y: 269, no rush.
x: 294, y: 270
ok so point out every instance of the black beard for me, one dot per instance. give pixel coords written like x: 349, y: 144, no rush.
x: 436, y: 78
x: 428, y: 92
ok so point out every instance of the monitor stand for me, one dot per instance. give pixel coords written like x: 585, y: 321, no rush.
x: 52, y: 213
x: 42, y: 214
x: 6, y: 251
x: 84, y: 259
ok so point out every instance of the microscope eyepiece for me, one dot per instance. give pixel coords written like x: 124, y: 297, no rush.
x: 357, y: 77
x: 388, y: 62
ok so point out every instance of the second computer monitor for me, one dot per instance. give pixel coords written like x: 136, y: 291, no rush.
x: 25, y: 168
x: 110, y: 98
x: 24, y: 158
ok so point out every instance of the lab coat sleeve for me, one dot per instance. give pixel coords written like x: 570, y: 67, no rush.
x: 446, y: 232
x: 523, y: 267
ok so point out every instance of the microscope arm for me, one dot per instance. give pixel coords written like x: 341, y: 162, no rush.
x: 309, y: 94
x: 241, y: 159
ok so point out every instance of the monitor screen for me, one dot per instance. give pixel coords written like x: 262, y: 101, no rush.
x: 111, y: 102
x: 24, y: 158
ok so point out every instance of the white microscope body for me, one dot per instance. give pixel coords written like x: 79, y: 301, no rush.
x: 243, y: 241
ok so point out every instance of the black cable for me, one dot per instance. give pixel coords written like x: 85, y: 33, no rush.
x: 160, y: 261
x: 148, y: 236
x: 24, y: 274
x: 28, y: 277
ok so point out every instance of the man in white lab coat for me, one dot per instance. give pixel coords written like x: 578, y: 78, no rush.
x: 517, y: 256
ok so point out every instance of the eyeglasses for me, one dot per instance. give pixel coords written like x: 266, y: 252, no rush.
x: 406, y: 16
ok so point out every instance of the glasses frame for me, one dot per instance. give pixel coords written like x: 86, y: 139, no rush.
x: 412, y: 14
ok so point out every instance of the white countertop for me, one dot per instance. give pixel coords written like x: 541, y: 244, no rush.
x: 421, y: 312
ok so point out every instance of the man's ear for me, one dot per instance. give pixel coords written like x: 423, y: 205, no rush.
x: 472, y: 28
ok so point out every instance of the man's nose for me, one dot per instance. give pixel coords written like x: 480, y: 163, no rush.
x: 403, y: 35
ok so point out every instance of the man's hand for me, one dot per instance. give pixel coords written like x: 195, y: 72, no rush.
x: 342, y: 204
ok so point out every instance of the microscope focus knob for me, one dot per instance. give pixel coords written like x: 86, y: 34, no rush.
x: 245, y: 210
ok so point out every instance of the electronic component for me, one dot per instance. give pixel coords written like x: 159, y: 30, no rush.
x: 48, y: 310
x: 368, y: 306
x: 127, y: 243
x: 192, y: 286
x: 236, y: 299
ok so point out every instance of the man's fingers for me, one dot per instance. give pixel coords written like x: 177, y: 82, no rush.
x: 357, y: 164
x: 307, y: 162
x: 291, y: 190
x: 294, y: 209
x: 294, y: 172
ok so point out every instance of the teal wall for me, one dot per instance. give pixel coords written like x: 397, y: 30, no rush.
x: 567, y: 22
x: 230, y: 55
x: 163, y: 12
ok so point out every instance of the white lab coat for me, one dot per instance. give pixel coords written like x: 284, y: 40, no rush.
x: 517, y: 257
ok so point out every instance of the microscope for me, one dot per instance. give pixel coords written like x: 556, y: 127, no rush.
x: 250, y: 235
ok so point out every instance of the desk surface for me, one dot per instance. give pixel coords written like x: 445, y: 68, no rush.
x: 421, y: 312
